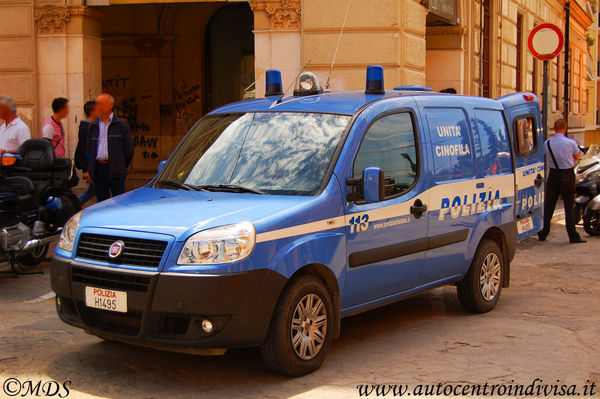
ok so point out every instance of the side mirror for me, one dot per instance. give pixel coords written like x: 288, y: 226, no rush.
x: 161, y: 165
x: 373, y: 184
x: 370, y: 188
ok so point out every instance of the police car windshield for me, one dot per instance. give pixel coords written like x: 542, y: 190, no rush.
x: 284, y: 153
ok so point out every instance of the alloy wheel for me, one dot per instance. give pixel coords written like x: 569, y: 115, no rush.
x: 309, y: 327
x: 489, y: 278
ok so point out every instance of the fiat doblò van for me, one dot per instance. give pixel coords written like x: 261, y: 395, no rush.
x: 274, y: 218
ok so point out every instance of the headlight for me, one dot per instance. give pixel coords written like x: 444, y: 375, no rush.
x: 219, y: 245
x: 67, y: 236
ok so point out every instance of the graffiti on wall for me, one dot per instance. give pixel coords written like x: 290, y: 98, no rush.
x: 148, y: 145
x: 185, y: 95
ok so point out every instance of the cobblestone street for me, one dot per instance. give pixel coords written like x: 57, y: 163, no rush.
x: 546, y: 325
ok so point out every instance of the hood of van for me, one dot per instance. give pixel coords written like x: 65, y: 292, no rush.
x: 180, y: 213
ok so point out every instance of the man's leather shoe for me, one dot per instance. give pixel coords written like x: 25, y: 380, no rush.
x: 542, y: 237
x: 577, y: 240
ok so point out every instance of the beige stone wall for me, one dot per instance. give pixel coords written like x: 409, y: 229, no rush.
x: 291, y: 34
x: 49, y: 50
x: 458, y: 47
x: 18, y: 60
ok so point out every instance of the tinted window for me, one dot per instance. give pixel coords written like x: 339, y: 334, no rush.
x: 451, y: 143
x: 494, y: 155
x: 275, y: 152
x: 390, y: 145
x: 526, y: 138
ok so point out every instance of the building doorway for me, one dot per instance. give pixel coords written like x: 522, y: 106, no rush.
x: 230, y: 55
x: 169, y: 64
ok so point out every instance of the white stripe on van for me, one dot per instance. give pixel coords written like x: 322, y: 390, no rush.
x: 432, y: 198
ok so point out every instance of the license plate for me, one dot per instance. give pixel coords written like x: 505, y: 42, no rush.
x: 101, y: 298
x: 525, y: 225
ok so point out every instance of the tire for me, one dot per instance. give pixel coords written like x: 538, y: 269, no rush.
x: 31, y: 259
x: 480, y: 290
x: 278, y: 350
x: 591, y: 223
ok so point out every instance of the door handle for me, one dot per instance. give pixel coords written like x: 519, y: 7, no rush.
x: 538, y: 180
x: 418, y: 208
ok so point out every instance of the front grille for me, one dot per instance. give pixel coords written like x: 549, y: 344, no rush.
x: 136, y: 252
x: 110, y: 280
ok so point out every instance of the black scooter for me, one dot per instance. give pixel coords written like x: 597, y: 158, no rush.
x: 587, y: 178
x: 35, y: 202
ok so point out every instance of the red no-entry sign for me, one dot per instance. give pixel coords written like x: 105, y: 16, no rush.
x: 546, y: 41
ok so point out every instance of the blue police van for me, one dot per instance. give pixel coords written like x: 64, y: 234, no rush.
x: 275, y: 218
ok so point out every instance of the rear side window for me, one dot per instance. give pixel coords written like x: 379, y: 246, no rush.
x: 525, y: 129
x: 390, y: 145
x: 493, y: 156
x: 451, y: 143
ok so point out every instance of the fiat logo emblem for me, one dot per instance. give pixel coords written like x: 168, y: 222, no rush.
x: 116, y: 249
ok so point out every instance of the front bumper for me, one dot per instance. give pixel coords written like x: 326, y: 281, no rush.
x: 165, y: 310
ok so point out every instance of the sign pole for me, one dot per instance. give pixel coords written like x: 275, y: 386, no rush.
x: 545, y: 100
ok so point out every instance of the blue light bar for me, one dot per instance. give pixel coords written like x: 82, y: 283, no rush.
x: 413, y: 88
x: 274, y: 85
x: 375, y: 80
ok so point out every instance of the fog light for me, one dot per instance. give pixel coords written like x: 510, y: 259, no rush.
x: 207, y: 326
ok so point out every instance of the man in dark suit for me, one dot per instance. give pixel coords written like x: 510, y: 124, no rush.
x: 110, y: 147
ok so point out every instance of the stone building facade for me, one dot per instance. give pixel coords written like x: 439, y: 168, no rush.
x: 169, y: 62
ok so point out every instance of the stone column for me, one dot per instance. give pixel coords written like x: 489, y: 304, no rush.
x: 390, y: 33
x: 68, y: 52
x: 277, y: 40
x: 446, y: 58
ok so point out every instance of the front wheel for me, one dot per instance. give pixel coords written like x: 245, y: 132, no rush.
x: 480, y: 290
x: 301, y: 330
x: 591, y: 223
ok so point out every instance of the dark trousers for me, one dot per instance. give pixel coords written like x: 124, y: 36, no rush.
x: 560, y: 182
x: 104, y: 186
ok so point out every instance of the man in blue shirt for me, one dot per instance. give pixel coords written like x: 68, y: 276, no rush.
x: 562, y: 153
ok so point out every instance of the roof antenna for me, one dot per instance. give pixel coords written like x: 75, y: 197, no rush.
x: 280, y: 99
x: 337, y: 47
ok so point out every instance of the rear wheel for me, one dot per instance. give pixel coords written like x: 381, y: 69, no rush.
x: 480, y: 290
x: 591, y: 223
x: 301, y: 330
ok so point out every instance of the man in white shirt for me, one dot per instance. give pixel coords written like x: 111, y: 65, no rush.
x: 14, y: 131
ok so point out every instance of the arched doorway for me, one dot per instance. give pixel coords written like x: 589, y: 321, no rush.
x: 229, y: 55
x: 167, y: 64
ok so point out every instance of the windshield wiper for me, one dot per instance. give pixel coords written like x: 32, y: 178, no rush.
x: 183, y: 186
x: 234, y: 188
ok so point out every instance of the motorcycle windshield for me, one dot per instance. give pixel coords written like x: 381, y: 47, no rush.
x: 592, y: 156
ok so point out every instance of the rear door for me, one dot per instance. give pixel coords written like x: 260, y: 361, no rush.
x: 527, y: 136
x: 454, y: 192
